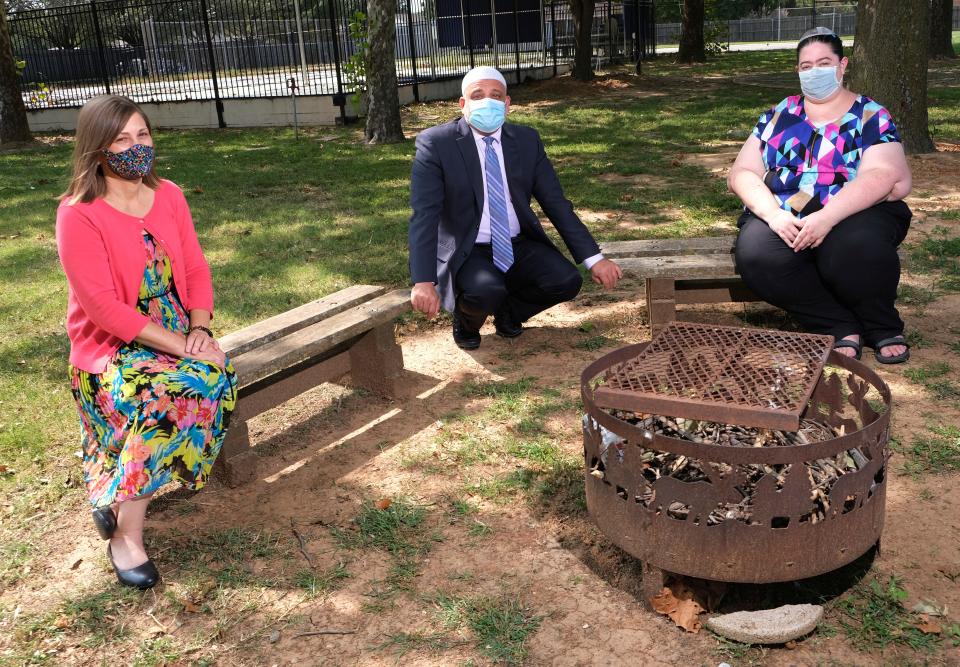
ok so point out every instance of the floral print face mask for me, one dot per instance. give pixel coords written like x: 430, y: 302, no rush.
x: 133, y: 163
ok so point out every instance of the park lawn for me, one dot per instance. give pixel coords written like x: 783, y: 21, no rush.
x: 284, y: 221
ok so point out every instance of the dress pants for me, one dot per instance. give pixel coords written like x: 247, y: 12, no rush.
x: 847, y: 285
x: 539, y: 278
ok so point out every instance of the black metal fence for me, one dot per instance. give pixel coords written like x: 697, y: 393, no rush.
x: 774, y: 28
x: 176, y: 50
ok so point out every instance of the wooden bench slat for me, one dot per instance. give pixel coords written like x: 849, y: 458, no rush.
x: 278, y: 326
x: 319, y: 337
x: 683, y: 266
x: 668, y: 247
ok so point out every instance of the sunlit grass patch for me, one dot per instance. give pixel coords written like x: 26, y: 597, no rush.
x: 873, y: 617
x: 499, y: 625
x: 935, y: 451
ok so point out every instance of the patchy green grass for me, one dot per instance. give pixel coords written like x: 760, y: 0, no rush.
x: 500, y: 625
x: 594, y: 343
x: 917, y: 339
x: 939, y: 254
x: 911, y: 295
x: 400, y: 530
x: 316, y: 583
x: 402, y: 643
x: 873, y: 617
x: 935, y: 378
x: 935, y: 451
x: 396, y: 529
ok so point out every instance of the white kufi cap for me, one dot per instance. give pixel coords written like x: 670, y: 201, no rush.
x: 481, y: 74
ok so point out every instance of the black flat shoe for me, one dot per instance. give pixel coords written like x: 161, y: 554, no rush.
x: 142, y: 576
x: 105, y: 521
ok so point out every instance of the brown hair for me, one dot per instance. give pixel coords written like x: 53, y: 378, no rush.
x: 100, y: 121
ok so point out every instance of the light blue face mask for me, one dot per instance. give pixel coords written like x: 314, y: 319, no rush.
x: 487, y: 115
x: 819, y: 83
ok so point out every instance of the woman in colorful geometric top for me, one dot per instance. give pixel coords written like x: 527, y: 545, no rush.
x: 822, y: 179
x: 152, y: 386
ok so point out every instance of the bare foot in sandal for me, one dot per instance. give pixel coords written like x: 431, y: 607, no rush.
x: 848, y: 346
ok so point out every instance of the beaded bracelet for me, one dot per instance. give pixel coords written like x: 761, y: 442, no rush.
x: 197, y: 327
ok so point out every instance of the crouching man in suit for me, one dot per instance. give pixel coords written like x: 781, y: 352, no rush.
x: 476, y: 247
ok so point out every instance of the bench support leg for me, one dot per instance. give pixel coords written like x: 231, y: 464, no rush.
x: 661, y: 303
x: 237, y: 464
x: 376, y: 361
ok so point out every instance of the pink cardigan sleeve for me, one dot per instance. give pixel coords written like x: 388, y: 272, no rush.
x: 199, y: 280
x: 87, y: 265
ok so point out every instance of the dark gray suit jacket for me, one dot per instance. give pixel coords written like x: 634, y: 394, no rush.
x: 446, y: 194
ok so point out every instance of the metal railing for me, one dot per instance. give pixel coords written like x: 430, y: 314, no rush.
x: 179, y: 50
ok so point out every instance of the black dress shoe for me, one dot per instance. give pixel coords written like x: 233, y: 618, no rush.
x: 506, y: 327
x: 142, y: 576
x: 466, y: 339
x: 105, y: 521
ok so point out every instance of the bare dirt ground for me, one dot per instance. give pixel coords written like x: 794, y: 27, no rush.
x: 325, y: 453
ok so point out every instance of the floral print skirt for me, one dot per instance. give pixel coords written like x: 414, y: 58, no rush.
x: 151, y: 418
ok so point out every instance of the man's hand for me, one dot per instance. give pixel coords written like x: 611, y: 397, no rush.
x: 815, y: 228
x: 425, y: 299
x: 785, y: 225
x: 606, y: 272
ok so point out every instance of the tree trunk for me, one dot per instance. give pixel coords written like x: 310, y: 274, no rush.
x: 13, y: 115
x: 691, y: 34
x: 941, y: 29
x: 583, y: 37
x: 895, y: 77
x: 383, y: 98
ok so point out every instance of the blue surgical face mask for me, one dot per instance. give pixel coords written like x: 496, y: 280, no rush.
x: 819, y: 83
x: 487, y: 115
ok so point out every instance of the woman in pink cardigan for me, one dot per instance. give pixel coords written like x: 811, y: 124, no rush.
x: 153, y: 388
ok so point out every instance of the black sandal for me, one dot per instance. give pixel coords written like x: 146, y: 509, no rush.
x: 887, y: 342
x: 843, y: 342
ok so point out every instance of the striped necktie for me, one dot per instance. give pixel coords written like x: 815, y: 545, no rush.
x: 497, y: 202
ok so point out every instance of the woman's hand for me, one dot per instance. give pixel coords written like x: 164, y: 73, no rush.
x: 785, y: 225
x: 814, y: 228
x: 200, y: 341
x: 213, y: 355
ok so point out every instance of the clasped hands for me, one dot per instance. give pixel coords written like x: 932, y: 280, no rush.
x: 200, y: 345
x: 800, y: 234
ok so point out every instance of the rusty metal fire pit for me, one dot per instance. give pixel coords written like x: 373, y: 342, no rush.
x: 785, y: 538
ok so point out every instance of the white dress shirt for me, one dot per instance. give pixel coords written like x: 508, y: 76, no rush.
x: 483, y: 235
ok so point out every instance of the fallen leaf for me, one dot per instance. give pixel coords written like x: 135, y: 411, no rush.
x: 156, y: 631
x: 679, y: 606
x: 928, y: 627
x: 383, y: 503
x: 190, y: 607
x: 198, y: 189
x: 62, y: 622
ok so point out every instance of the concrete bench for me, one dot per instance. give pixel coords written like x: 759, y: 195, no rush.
x: 351, y: 331
x: 681, y: 271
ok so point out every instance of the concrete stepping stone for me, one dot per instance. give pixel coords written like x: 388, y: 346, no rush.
x: 769, y: 626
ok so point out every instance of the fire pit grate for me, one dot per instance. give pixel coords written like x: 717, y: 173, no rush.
x: 752, y: 377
